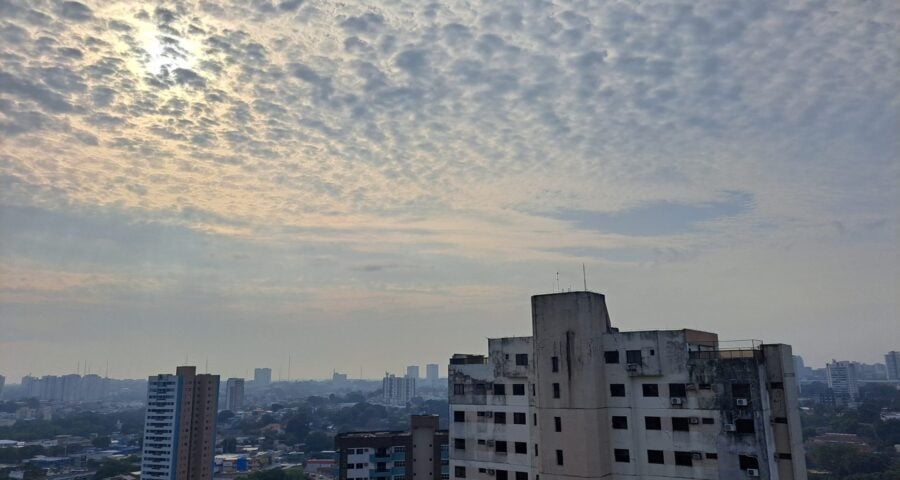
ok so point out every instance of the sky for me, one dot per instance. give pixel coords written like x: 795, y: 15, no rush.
x: 363, y: 185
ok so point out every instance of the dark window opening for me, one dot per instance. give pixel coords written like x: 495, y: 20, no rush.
x: 521, y: 447
x: 617, y: 389
x: 620, y: 423
x: 677, y: 390
x: 681, y: 424
x: 780, y: 420
x: 521, y: 475
x: 746, y: 461
x: 459, y: 416
x: 518, y: 389
x: 459, y: 443
x: 500, y: 446
x: 740, y: 390
x: 633, y: 356
x: 704, y: 386
x: 499, y: 417
x: 611, y: 356
x: 712, y: 456
x: 534, y: 419
x: 653, y: 423
x: 709, y: 421
x: 650, y: 389
x: 744, y: 426
x: 559, y: 457
x: 778, y: 385
x: 519, y: 418
x: 499, y: 389
x: 621, y: 455
x: 522, y: 359
x: 502, y: 475
x: 684, y: 459
x: 459, y: 389
x: 555, y: 390
x: 555, y: 364
x: 557, y: 422
x: 784, y: 456
x: 655, y: 456
x: 459, y: 472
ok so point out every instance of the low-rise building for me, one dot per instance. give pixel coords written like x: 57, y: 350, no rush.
x: 421, y: 452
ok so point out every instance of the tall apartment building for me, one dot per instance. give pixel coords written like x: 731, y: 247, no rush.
x: 600, y: 403
x: 843, y: 380
x: 420, y: 453
x: 412, y: 371
x: 2, y: 382
x: 262, y: 377
x: 179, y: 427
x: 234, y: 394
x: 398, y: 390
x: 892, y: 362
x: 432, y: 374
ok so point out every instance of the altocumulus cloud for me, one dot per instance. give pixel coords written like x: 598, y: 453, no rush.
x: 456, y: 140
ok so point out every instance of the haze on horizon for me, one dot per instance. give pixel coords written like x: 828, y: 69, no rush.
x: 379, y: 184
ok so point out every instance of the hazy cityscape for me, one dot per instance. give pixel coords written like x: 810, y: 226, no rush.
x: 449, y: 240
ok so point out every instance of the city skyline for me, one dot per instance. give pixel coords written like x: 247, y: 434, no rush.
x: 341, y: 181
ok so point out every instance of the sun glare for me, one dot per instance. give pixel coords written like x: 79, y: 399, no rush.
x: 166, y: 52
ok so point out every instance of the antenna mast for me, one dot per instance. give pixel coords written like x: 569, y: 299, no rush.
x: 584, y: 274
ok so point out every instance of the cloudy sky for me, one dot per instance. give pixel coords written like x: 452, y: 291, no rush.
x: 365, y: 186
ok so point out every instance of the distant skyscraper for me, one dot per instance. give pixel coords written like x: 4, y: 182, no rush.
x: 892, y: 361
x: 234, y: 394
x: 262, y: 376
x: 398, y: 390
x: 431, y: 372
x: 179, y: 428
x: 412, y: 371
x: 843, y: 381
x: 2, y: 382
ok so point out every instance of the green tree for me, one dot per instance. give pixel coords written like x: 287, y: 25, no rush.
x: 318, y: 441
x: 229, y: 445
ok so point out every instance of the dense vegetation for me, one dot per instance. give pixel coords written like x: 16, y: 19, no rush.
x: 81, y: 424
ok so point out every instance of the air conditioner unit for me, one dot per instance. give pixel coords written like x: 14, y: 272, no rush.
x: 695, y: 420
x: 490, y: 443
x: 690, y: 386
x: 752, y: 472
x: 697, y: 455
x: 488, y: 414
x: 741, y: 402
x: 491, y: 471
x: 729, y: 427
x: 632, y: 367
x: 677, y: 401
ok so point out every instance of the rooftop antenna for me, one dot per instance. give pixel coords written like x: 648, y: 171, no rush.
x: 289, y: 367
x: 584, y: 275
x: 557, y: 282
x: 207, y: 365
x: 107, y: 368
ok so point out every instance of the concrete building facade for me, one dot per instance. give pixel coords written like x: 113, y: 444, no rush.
x: 625, y: 405
x: 843, y: 379
x: 892, y: 363
x: 412, y: 371
x: 234, y: 394
x: 398, y: 390
x: 262, y: 377
x: 432, y: 372
x: 179, y: 426
x: 420, y: 453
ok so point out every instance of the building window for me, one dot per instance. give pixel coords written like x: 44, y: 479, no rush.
x: 459, y: 472
x: 521, y: 447
x: 621, y: 455
x: 704, y: 386
x: 534, y: 419
x: 555, y: 390
x: 459, y: 389
x: 533, y: 390
x: 611, y: 356
x: 744, y: 426
x: 617, y: 389
x: 522, y: 359
x: 519, y: 418
x: 501, y: 475
x: 650, y: 389
x: 554, y: 361
x: 746, y: 461
x: 557, y: 422
x: 777, y: 385
x: 784, y: 456
x: 559, y: 457
x: 535, y: 449
x: 681, y: 424
x: 620, y: 423
x: 740, y: 390
x: 781, y: 420
x: 480, y: 389
x: 712, y: 456
x: 521, y: 475
x: 499, y: 417
x: 684, y: 459
x: 518, y: 389
x: 656, y: 456
x: 709, y: 421
x: 633, y: 356
x: 499, y: 389
x: 459, y: 416
x: 652, y: 423
x: 677, y: 390
x: 500, y: 446
x: 459, y: 443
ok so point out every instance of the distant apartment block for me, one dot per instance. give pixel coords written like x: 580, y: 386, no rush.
x: 412, y: 371
x: 234, y: 394
x: 179, y: 427
x: 71, y: 388
x: 2, y: 383
x: 432, y: 374
x: 420, y: 453
x: 262, y: 377
x: 581, y: 399
x: 398, y: 390
x: 843, y: 380
x: 892, y: 362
